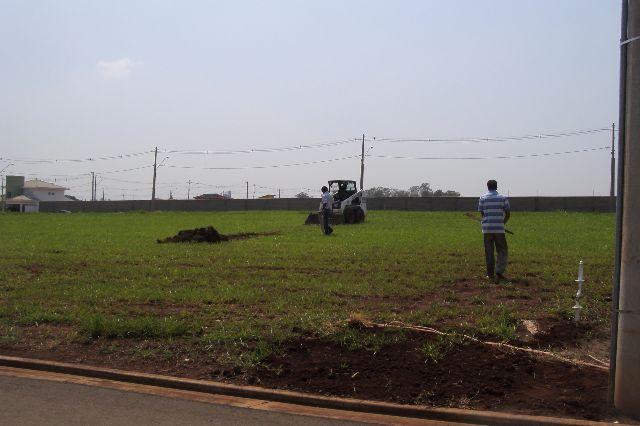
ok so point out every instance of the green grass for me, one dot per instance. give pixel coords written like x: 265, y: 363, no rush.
x: 105, y: 276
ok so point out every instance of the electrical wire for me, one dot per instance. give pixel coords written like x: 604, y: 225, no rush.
x: 497, y: 157
x: 271, y: 166
x: 535, y: 137
x: 259, y: 150
x: 77, y: 160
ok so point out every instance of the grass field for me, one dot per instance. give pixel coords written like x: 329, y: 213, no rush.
x: 99, y: 283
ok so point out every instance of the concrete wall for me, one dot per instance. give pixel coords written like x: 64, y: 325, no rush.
x: 531, y: 204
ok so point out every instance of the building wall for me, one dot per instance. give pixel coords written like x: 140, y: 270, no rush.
x: 14, y: 186
x: 45, y: 194
x: 530, y: 204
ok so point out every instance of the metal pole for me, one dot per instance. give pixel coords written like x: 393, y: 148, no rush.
x: 627, y: 374
x: 189, y: 190
x: 4, y: 196
x: 362, y: 166
x: 155, y: 167
x: 93, y: 179
x: 613, y: 161
x: 615, y: 297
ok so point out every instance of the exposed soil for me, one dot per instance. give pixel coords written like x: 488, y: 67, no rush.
x: 466, y: 375
x: 210, y: 235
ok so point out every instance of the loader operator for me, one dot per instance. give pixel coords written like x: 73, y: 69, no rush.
x: 326, y: 210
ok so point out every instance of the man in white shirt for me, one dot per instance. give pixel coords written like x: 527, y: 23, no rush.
x: 326, y: 209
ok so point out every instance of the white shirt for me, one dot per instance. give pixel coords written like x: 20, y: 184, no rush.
x: 327, y: 200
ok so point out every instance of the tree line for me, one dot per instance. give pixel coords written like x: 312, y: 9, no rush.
x: 422, y: 190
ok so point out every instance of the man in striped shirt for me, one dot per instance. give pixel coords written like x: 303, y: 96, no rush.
x: 495, y: 211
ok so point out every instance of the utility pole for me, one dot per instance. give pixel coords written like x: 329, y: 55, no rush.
x: 93, y: 186
x: 102, y: 194
x: 612, y: 187
x: 278, y: 192
x: 362, y: 166
x: 95, y: 189
x: 2, y: 193
x: 189, y: 190
x: 247, y: 190
x: 155, y: 167
x: 625, y: 351
x: 254, y: 190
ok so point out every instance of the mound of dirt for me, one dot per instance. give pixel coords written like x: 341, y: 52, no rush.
x: 210, y: 235
x: 197, y: 235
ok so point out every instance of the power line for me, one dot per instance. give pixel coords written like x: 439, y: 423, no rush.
x: 126, y: 170
x: 259, y: 150
x: 497, y: 157
x: 76, y: 160
x: 299, y: 147
x: 271, y: 166
x: 532, y: 137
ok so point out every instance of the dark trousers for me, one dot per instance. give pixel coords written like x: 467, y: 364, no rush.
x: 326, y: 215
x: 500, y: 243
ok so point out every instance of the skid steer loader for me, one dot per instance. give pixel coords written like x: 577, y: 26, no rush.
x: 349, y: 205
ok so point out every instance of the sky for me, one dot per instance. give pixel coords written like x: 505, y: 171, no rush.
x: 82, y: 80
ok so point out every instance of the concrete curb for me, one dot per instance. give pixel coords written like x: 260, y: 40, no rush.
x: 442, y: 414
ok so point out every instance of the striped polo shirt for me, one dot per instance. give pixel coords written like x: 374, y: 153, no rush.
x: 493, y: 206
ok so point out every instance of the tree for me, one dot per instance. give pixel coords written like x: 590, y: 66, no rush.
x: 379, y: 192
x: 302, y: 195
x: 422, y: 190
x: 400, y: 193
x: 447, y: 193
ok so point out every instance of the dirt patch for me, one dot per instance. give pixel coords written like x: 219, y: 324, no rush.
x: 466, y: 376
x: 35, y: 269
x: 210, y: 235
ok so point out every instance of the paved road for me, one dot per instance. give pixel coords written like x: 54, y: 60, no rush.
x: 28, y: 401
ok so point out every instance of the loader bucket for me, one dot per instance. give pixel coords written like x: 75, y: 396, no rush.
x: 312, y: 219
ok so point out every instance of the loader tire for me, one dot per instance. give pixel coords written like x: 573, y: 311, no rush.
x: 359, y: 215
x: 349, y: 216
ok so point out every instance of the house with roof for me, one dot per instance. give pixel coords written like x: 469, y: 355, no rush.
x: 43, y: 191
x: 25, y: 196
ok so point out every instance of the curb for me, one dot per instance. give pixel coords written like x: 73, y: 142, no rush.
x: 254, y: 392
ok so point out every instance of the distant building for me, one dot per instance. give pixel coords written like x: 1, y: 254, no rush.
x: 25, y: 196
x: 22, y: 204
x: 267, y: 197
x: 209, y: 197
x: 43, y: 191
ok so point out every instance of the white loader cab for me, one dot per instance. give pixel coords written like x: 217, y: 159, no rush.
x: 348, y: 203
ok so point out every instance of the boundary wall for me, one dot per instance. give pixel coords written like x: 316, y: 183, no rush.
x: 526, y: 204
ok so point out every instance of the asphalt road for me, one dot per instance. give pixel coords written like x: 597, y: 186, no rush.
x: 27, y: 401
